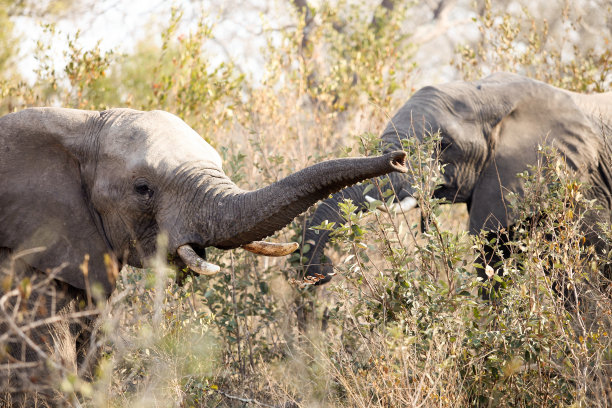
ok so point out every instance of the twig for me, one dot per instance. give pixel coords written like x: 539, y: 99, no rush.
x: 13, y: 326
x: 10, y: 321
x: 14, y: 366
x: 51, y: 320
x: 235, y: 308
x: 242, y: 399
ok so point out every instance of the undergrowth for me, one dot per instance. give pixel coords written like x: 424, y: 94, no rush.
x: 401, y: 324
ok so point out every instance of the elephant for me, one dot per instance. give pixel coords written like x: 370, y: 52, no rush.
x: 83, y: 193
x: 489, y: 131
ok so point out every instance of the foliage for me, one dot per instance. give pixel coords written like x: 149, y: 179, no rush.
x: 7, y: 41
x: 524, y: 44
x: 321, y: 77
x: 401, y: 324
x: 350, y: 57
x: 184, y: 82
x: 176, y: 77
x: 9, y: 44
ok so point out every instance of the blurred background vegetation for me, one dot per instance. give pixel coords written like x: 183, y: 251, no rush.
x: 277, y: 85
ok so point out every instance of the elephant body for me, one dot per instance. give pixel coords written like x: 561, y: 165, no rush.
x: 490, y: 131
x: 84, y: 192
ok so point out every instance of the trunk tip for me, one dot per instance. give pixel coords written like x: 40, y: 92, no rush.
x: 397, y: 160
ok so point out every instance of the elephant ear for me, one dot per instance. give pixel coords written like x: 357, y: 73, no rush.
x: 43, y: 198
x: 530, y: 114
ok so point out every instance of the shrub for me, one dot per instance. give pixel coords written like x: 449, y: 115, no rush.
x: 401, y: 324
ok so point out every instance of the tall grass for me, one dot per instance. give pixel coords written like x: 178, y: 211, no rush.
x: 401, y: 324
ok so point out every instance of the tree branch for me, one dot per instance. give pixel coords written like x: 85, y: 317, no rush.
x: 304, y: 9
x: 387, y: 6
x: 440, y: 23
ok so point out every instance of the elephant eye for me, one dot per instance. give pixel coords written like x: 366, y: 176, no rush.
x: 143, y: 189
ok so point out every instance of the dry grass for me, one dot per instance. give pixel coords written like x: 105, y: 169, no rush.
x: 400, y: 325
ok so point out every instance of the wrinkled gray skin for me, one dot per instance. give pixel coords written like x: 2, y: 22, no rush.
x: 490, y: 131
x: 86, y: 182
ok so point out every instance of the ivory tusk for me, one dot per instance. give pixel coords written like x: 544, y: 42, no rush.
x: 195, y: 262
x: 271, y: 248
x: 406, y: 204
x: 371, y: 200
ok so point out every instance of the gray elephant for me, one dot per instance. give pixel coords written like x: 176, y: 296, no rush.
x: 489, y: 130
x: 93, y: 190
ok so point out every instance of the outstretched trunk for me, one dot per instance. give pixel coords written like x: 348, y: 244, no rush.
x: 250, y: 216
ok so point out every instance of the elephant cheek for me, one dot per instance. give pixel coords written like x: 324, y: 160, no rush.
x: 148, y: 242
x: 464, y: 181
x: 449, y: 187
x: 137, y: 252
x: 177, y: 233
x: 132, y: 243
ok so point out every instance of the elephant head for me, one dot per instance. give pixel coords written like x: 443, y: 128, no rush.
x: 106, y: 184
x: 490, y: 131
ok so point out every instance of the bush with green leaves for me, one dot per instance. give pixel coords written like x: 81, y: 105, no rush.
x: 401, y: 323
x: 522, y: 43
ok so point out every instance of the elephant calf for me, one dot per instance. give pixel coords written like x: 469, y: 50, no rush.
x: 490, y: 131
x: 84, y: 192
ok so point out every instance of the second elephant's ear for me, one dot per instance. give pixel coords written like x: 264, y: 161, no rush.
x: 43, y: 196
x: 539, y: 115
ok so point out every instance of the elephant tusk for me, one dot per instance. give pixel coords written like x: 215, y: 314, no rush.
x: 371, y: 200
x: 271, y: 248
x: 195, y: 262
x: 406, y: 204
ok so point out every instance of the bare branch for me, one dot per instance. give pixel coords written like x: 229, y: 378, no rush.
x: 440, y: 23
x: 8, y: 319
x: 53, y: 319
x: 387, y: 6
x: 304, y: 9
x: 242, y: 399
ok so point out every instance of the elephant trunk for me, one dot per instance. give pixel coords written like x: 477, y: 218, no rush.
x: 250, y: 216
x: 316, y: 263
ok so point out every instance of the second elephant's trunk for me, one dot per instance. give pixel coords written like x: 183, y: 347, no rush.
x: 249, y: 216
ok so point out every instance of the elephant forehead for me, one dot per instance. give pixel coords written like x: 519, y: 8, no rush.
x: 158, y: 139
